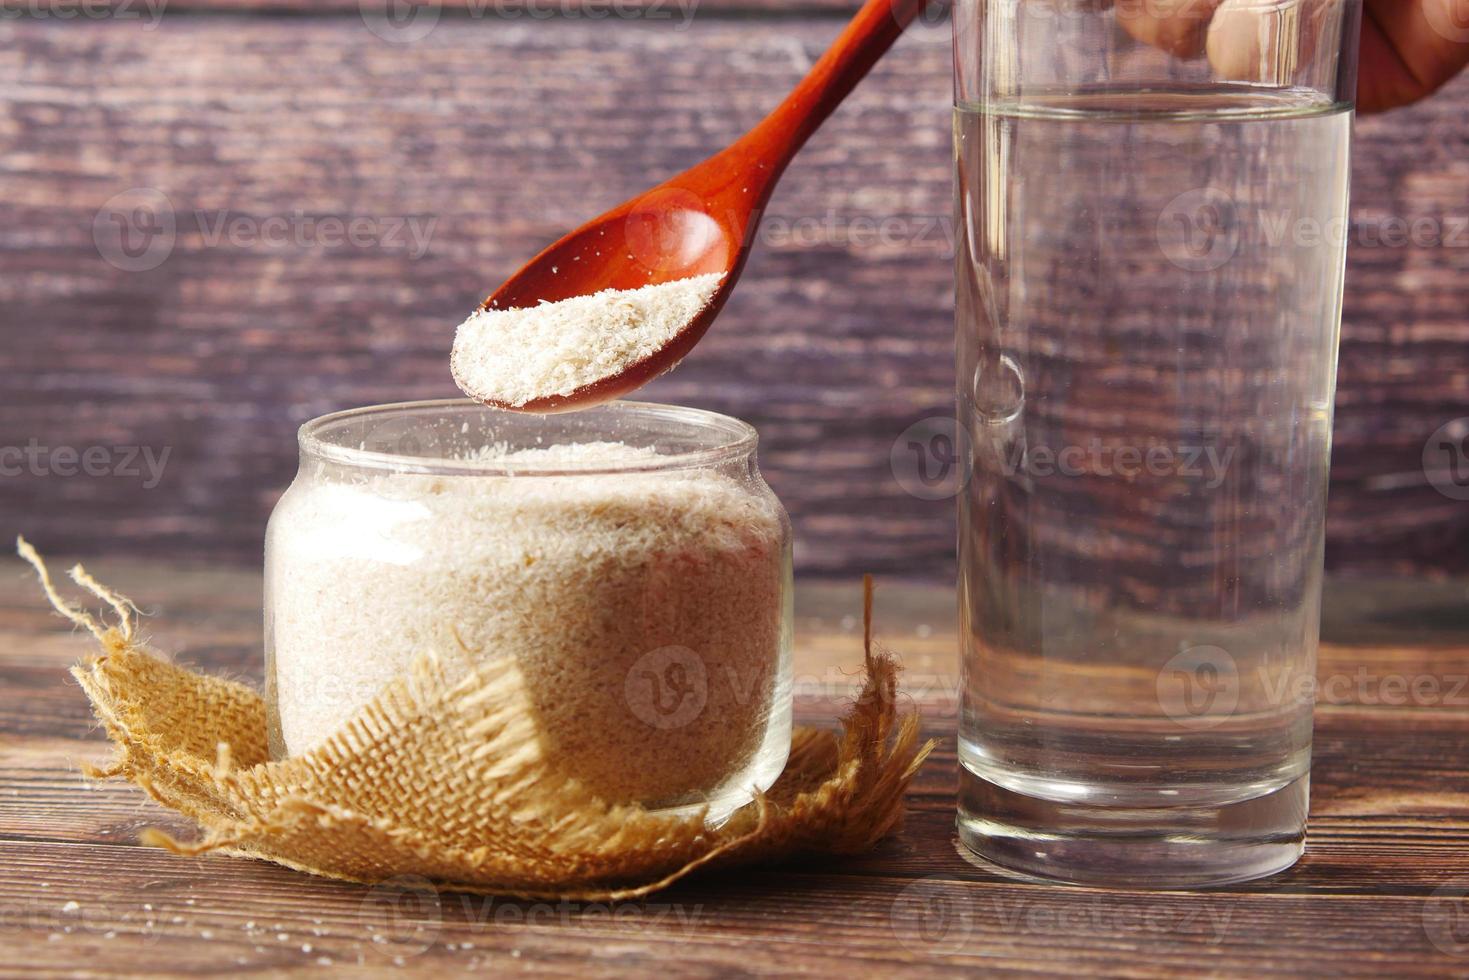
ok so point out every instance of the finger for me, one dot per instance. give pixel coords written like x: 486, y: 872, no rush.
x: 1271, y: 41
x: 1175, y: 26
x: 1411, y: 48
x: 1385, y: 82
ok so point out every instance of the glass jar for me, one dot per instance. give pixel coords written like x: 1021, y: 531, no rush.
x: 628, y: 561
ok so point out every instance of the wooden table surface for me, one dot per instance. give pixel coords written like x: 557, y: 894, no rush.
x: 1380, y: 891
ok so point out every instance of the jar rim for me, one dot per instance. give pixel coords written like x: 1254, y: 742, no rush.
x: 728, y: 438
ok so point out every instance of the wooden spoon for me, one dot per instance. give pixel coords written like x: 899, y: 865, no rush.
x: 703, y: 220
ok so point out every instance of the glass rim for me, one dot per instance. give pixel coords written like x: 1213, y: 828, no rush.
x: 737, y: 440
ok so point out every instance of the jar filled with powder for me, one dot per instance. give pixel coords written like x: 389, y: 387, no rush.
x: 627, y: 562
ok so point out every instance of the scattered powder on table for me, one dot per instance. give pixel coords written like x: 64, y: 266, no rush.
x: 514, y: 356
x: 572, y: 581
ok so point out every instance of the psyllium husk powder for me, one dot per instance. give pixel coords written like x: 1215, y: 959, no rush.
x: 644, y: 613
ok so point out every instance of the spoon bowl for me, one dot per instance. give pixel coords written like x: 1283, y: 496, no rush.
x: 700, y: 221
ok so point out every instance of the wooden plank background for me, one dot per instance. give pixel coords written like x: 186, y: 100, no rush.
x: 503, y: 131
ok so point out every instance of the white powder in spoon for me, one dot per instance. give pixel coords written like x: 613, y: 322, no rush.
x: 515, y: 356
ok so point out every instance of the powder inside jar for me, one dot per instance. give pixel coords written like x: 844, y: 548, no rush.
x: 515, y: 356
x: 645, y: 610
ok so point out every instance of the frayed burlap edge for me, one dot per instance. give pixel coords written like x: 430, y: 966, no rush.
x: 440, y: 778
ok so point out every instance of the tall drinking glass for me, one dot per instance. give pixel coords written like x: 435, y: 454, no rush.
x: 1152, y: 205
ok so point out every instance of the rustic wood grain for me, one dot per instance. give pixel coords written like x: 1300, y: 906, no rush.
x: 507, y: 132
x: 1386, y: 856
x: 761, y: 924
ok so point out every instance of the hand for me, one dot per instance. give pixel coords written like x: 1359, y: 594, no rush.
x: 1409, y: 47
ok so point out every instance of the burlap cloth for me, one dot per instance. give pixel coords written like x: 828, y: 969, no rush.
x: 441, y: 777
